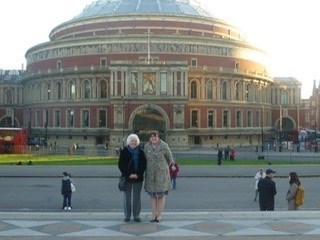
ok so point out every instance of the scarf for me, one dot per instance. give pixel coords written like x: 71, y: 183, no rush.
x: 135, y: 158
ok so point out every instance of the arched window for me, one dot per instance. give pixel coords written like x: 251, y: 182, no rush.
x: 8, y: 97
x: 193, y: 94
x: 249, y: 119
x: 249, y: 92
x: 103, y: 89
x: 71, y: 90
x: 284, y: 97
x: 209, y: 94
x: 33, y: 98
x: 58, y: 91
x: 87, y: 90
x: 224, y: 91
x: 48, y: 91
x: 238, y: 91
x: 38, y: 92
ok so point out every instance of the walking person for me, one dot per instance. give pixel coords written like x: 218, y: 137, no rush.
x: 132, y: 165
x: 174, y: 169
x: 292, y: 191
x: 157, y: 176
x: 259, y: 175
x: 267, y: 190
x: 220, y: 156
x: 66, y: 191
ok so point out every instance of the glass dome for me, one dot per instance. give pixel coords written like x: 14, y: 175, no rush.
x: 124, y: 7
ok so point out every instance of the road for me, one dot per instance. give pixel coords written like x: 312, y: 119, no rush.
x: 213, y: 188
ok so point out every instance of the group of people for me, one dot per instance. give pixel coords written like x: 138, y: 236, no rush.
x: 151, y: 167
x: 228, y: 154
x: 265, y: 187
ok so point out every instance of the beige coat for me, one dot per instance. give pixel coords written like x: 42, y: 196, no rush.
x: 157, y: 177
x: 290, y: 197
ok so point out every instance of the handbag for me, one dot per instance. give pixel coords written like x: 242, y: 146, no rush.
x: 73, y: 188
x: 122, y: 185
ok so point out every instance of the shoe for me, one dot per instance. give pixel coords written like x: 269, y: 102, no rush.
x: 126, y: 220
x: 137, y: 219
x: 65, y: 208
x: 69, y: 208
x: 156, y: 220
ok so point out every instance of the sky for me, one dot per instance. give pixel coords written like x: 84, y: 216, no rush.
x: 287, y: 30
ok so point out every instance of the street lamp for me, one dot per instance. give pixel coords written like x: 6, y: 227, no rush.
x: 46, y: 128
x: 262, y: 135
x: 123, y: 119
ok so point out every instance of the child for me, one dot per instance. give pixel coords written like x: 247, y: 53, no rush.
x: 174, y: 169
x: 66, y: 191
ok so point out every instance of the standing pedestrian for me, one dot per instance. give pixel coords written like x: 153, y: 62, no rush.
x: 66, y: 191
x: 157, y: 176
x: 226, y: 153
x: 259, y: 175
x: 267, y: 191
x: 174, y: 169
x: 232, y: 154
x: 132, y: 165
x: 294, y: 185
x: 220, y: 156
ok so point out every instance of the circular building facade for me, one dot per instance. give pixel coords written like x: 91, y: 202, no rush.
x: 125, y: 66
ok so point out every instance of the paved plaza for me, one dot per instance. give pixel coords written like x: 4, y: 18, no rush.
x: 185, y: 225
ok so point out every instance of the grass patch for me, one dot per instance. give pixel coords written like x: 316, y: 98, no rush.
x: 81, y: 160
x: 13, y: 159
x: 203, y: 162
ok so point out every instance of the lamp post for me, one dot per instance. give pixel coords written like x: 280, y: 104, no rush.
x: 123, y: 120
x: 280, y: 130
x: 12, y: 118
x: 262, y: 134
x: 46, y: 128
x: 29, y: 123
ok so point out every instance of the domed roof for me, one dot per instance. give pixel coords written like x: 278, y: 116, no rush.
x: 122, y: 7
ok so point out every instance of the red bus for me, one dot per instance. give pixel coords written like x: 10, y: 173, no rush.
x: 13, y: 140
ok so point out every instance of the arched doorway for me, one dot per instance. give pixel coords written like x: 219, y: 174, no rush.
x: 148, y: 119
x: 7, y: 122
x: 286, y: 130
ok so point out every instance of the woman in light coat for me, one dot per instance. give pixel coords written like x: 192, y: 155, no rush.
x: 157, y: 176
x: 259, y: 175
x: 294, y: 185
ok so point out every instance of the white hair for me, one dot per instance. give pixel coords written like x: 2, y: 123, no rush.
x: 133, y: 136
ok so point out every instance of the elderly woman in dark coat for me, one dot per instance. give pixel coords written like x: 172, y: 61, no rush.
x: 294, y: 184
x: 132, y: 164
x: 157, y: 177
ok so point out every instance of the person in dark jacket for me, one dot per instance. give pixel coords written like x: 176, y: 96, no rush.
x: 66, y: 191
x: 267, y: 190
x: 220, y: 155
x: 132, y: 165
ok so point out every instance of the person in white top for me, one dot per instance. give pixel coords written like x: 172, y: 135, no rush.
x: 259, y: 175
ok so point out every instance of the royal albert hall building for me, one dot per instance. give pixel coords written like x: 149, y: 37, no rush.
x: 132, y: 66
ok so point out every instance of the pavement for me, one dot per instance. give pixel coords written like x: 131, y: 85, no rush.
x: 183, y: 224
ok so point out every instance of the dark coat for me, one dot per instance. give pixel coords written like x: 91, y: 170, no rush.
x: 66, y: 185
x: 267, y: 190
x: 126, y: 165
